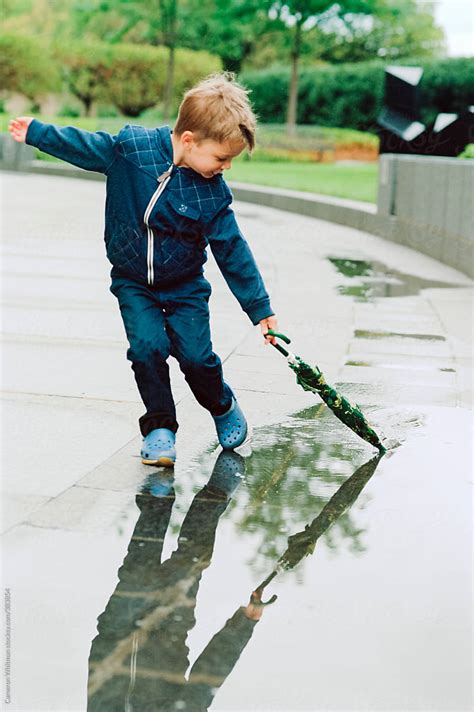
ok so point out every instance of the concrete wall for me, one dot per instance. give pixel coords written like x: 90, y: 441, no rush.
x: 423, y: 202
x: 428, y: 204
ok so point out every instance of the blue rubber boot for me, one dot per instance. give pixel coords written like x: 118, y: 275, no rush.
x: 231, y: 426
x: 158, y: 448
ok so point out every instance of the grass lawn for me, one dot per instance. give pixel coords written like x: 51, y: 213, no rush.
x: 357, y: 182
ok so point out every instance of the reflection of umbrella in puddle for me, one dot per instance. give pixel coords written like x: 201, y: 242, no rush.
x: 303, y: 543
x: 311, y: 379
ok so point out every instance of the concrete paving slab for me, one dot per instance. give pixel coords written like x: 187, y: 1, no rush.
x: 247, y: 363
x: 455, y: 312
x: 74, y: 370
x: 407, y: 308
x: 397, y: 394
x: 102, y: 371
x: 40, y: 266
x: 54, y: 440
x: 56, y: 286
x: 411, y: 361
x: 17, y: 507
x: 83, y: 509
x: 122, y: 472
x: 465, y: 396
x: 264, y: 382
x: 418, y: 377
x: 72, y: 323
x: 395, y: 345
x: 394, y: 324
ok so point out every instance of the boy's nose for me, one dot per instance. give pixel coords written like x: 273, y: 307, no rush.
x: 226, y: 165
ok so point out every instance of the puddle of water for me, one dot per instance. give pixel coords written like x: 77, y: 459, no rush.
x: 141, y: 651
x: 369, y: 562
x: 281, y: 536
x: 374, y: 279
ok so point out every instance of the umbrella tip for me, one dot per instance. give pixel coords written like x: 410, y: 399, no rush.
x: 389, y: 446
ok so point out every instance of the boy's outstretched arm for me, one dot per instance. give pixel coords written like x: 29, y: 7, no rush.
x: 91, y: 151
x: 237, y: 264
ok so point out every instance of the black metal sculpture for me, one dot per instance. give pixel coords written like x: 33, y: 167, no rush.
x: 400, y: 128
x: 452, y: 132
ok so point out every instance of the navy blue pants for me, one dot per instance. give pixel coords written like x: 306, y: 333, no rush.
x: 171, y: 322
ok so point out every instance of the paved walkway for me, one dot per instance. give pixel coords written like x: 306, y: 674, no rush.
x: 70, y: 401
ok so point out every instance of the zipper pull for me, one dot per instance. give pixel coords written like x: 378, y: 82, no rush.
x: 165, y: 174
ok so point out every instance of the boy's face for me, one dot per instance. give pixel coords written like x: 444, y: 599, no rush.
x: 208, y: 157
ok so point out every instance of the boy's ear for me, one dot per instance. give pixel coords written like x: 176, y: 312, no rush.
x: 187, y: 139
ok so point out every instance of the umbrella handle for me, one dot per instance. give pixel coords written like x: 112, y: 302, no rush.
x: 284, y: 338
x: 281, y: 336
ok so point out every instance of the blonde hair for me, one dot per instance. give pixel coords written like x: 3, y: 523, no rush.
x: 218, y: 108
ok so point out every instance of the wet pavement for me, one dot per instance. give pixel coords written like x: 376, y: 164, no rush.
x: 304, y: 573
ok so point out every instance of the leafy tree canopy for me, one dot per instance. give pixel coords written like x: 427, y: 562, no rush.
x: 243, y: 33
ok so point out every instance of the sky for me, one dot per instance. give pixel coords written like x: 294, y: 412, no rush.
x: 456, y: 17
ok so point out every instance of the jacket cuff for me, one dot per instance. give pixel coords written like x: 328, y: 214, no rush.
x: 34, y: 133
x: 260, y: 310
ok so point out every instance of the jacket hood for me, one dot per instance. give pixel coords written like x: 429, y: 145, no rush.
x: 163, y: 139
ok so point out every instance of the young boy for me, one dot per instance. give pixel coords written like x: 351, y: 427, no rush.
x: 166, y: 201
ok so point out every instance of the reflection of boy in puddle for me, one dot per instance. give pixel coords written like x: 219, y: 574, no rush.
x: 139, y: 658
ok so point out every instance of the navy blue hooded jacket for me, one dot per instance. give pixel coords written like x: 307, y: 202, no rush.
x: 159, y: 218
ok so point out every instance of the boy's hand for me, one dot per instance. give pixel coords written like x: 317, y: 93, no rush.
x: 18, y: 128
x: 269, y: 323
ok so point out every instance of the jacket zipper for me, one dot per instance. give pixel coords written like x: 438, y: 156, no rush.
x: 162, y: 182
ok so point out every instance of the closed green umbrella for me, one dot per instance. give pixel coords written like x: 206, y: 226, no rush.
x: 311, y: 379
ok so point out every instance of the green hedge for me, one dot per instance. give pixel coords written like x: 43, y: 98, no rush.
x: 128, y: 76
x: 26, y: 67
x: 351, y: 95
x: 86, y: 70
x: 138, y: 74
x: 468, y: 151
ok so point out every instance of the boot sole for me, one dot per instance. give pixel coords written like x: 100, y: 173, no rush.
x: 161, y: 462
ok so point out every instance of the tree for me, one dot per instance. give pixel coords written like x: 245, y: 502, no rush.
x: 138, y: 75
x: 169, y: 29
x: 395, y: 33
x: 232, y: 29
x: 134, y: 21
x: 109, y: 21
x: 298, y: 17
x: 86, y: 68
x: 39, y: 19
